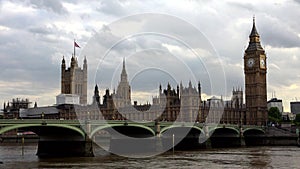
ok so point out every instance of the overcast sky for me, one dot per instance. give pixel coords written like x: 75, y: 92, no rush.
x: 189, y: 40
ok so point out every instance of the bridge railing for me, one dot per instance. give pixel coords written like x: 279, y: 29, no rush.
x: 26, y: 121
x: 4, y: 122
x: 70, y: 122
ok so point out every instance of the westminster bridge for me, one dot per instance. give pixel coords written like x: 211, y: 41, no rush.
x: 75, y: 138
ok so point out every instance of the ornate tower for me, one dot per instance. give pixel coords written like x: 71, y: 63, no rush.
x: 190, y: 100
x: 123, y: 94
x: 96, y: 97
x: 255, y: 70
x: 237, y: 98
x: 74, y: 79
x: 63, y: 85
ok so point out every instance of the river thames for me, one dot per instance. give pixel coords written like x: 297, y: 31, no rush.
x: 251, y: 157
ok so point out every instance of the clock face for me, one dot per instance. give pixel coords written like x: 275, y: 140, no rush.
x: 250, y: 62
x: 262, y: 63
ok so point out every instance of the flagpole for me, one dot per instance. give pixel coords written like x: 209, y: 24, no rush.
x: 74, y: 47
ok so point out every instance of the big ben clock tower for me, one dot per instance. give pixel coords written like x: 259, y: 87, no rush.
x: 255, y: 70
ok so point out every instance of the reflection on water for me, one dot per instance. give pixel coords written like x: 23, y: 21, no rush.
x: 254, y: 157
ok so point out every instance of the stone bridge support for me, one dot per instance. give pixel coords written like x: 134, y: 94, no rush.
x: 242, y: 138
x: 57, y: 139
x: 63, y: 142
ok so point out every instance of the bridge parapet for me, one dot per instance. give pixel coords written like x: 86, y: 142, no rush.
x: 4, y: 122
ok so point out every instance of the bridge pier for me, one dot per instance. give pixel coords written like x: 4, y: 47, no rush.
x: 157, y: 128
x: 62, y: 144
x: 64, y: 149
x: 242, y: 138
x: 207, y: 137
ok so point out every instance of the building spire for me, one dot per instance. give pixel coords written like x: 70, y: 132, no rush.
x: 96, y: 97
x: 84, y: 63
x: 124, y: 63
x: 84, y: 60
x: 123, y: 74
x: 63, y: 63
x: 254, y: 43
x: 254, y: 32
x: 63, y: 60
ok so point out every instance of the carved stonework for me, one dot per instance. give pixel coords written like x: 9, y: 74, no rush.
x: 255, y: 70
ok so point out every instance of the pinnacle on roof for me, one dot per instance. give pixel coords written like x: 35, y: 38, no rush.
x: 63, y: 60
x: 253, y: 31
x: 254, y: 43
x: 124, y: 74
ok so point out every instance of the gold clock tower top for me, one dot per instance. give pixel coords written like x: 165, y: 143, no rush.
x: 254, y: 43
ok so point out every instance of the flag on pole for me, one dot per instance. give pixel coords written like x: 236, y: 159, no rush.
x: 76, y: 45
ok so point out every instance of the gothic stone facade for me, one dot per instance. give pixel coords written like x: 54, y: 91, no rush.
x: 255, y: 70
x: 185, y: 103
x: 74, y: 79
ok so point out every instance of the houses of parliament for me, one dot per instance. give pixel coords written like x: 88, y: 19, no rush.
x: 179, y: 103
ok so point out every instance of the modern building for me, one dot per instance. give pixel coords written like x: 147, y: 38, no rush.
x: 295, y: 107
x: 274, y: 102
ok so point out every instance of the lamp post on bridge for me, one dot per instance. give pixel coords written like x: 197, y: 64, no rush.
x: 157, y: 128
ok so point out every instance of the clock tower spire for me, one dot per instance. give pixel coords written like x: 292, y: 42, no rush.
x: 255, y: 70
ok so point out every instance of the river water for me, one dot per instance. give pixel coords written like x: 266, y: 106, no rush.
x: 253, y: 157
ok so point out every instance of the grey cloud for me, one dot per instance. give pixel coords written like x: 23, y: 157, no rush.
x: 28, y: 60
x: 16, y: 21
x: 276, y: 34
x: 112, y: 7
x: 247, y: 6
x: 39, y: 30
x: 28, y: 53
x: 283, y: 76
x: 157, y: 55
x: 297, y: 1
x: 52, y: 5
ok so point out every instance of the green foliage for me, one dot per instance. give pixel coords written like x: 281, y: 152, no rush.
x: 297, y: 119
x: 274, y: 114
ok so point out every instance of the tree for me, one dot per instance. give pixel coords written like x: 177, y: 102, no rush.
x: 274, y: 114
x: 297, y: 119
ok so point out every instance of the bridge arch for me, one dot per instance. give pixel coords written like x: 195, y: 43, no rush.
x: 224, y: 137
x: 180, y: 126
x: 253, y: 136
x: 94, y: 131
x: 214, y: 129
x: 253, y: 131
x: 18, y: 126
x: 183, y: 137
